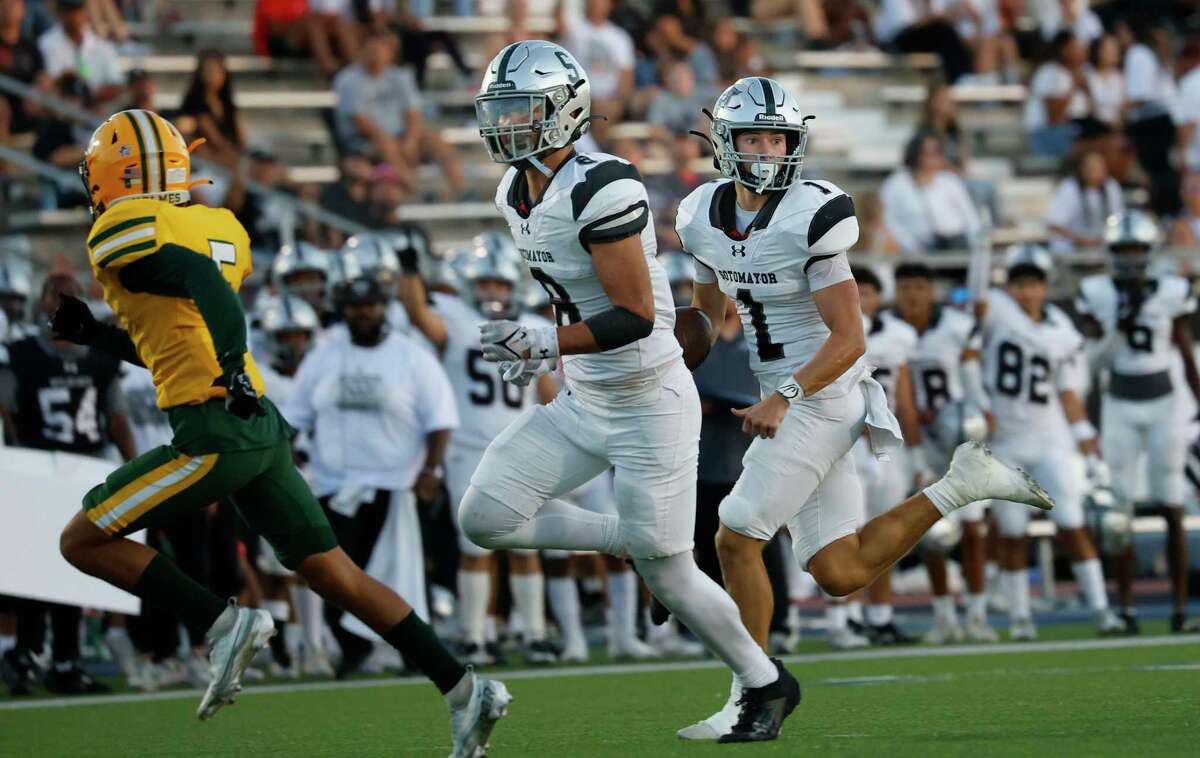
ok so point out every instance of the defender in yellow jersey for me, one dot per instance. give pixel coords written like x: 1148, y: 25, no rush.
x: 170, y: 272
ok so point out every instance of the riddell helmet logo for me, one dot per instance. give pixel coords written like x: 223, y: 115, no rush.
x: 770, y: 117
x: 506, y: 84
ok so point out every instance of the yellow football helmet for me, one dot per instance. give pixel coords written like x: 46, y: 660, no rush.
x: 136, y: 153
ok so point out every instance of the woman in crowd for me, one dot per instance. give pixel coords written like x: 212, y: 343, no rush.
x: 1082, y: 204
x: 209, y: 111
x: 926, y: 206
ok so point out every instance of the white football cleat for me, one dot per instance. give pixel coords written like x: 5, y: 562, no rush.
x: 979, y: 630
x: 976, y: 474
x: 1108, y: 623
x: 717, y: 725
x: 1022, y: 630
x: 471, y: 725
x: 944, y: 632
x: 233, y: 639
x: 316, y: 663
x: 847, y: 639
x: 631, y: 649
x: 575, y: 652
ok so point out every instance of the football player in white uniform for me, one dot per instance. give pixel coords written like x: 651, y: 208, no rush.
x: 491, y: 273
x: 1033, y: 366
x: 582, y: 223
x: 891, y: 344
x: 777, y: 245
x: 303, y: 270
x: 951, y: 404
x: 1137, y: 323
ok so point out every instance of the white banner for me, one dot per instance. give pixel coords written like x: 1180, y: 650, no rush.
x: 39, y: 493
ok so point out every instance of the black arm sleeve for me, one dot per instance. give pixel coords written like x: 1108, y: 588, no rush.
x: 617, y: 327
x: 115, y: 341
x: 175, y: 271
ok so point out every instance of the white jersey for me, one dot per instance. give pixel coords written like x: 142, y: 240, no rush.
x: 794, y: 246
x: 1026, y: 364
x: 936, y: 363
x: 891, y: 344
x: 148, y: 423
x: 278, y: 386
x: 1140, y: 323
x: 486, y: 403
x: 592, y: 198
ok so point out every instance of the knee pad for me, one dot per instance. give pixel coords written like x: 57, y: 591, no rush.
x: 486, y: 521
x: 744, y: 517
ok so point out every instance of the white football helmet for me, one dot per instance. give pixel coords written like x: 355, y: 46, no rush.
x: 757, y: 103
x: 375, y: 255
x: 300, y: 258
x: 1028, y: 255
x: 279, y: 316
x: 535, y: 98
x: 1129, y: 238
x: 492, y: 257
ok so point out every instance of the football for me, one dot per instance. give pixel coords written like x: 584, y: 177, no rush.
x: 693, y: 330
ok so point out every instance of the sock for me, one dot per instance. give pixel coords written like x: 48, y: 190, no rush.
x: 976, y: 605
x: 622, y: 604
x: 1017, y: 583
x: 474, y: 590
x: 879, y: 615
x: 835, y: 617
x: 416, y: 641
x: 944, y: 496
x: 1090, y: 577
x: 710, y: 613
x: 292, y: 637
x: 529, y: 602
x: 491, y: 629
x: 943, y: 608
x: 854, y: 611
x: 564, y: 604
x: 164, y: 585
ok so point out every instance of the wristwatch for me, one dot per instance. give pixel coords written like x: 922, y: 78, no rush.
x: 791, y: 391
x: 435, y: 471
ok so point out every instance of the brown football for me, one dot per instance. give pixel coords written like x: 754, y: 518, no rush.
x: 694, y: 331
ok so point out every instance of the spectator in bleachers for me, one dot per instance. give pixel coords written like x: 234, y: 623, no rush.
x: 1150, y: 90
x: 209, y: 111
x: 141, y: 89
x: 516, y: 29
x: 1058, y: 98
x: 737, y: 55
x: 106, y: 19
x: 873, y: 235
x: 1185, y: 231
x: 262, y: 215
x: 605, y: 51
x: 39, y: 18
x: 677, y: 107
x: 679, y: 30
x: 912, y: 26
x: 281, y: 28
x: 349, y: 195
x: 808, y: 17
x: 331, y: 34
x: 664, y: 191
x: 1106, y: 81
x: 1081, y: 205
x: 926, y: 206
x: 1188, y: 106
x: 384, y: 198
x: 72, y: 47
x: 940, y: 118
x: 21, y: 60
x: 61, y: 142
x: 418, y: 43
x: 1074, y: 16
x: 992, y: 48
x: 379, y: 112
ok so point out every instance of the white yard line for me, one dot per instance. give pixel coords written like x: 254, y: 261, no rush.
x: 630, y: 668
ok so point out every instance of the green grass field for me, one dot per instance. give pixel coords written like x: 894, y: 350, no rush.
x: 1142, y: 700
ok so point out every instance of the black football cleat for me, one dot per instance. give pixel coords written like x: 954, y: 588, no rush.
x: 70, y: 679
x: 20, y: 672
x: 761, y: 711
x: 1180, y: 625
x: 888, y: 634
x: 1132, y: 627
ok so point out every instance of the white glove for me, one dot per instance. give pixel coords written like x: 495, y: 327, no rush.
x: 508, y: 341
x: 521, y: 373
x: 1098, y: 474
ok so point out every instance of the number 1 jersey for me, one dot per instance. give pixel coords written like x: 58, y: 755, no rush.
x: 794, y: 246
x: 593, y: 198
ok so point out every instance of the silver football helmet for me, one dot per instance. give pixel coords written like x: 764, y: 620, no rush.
x: 492, y: 257
x: 757, y: 103
x: 281, y: 316
x: 535, y: 98
x: 16, y: 287
x: 375, y: 255
x: 1028, y: 255
x: 292, y: 262
x: 1129, y: 238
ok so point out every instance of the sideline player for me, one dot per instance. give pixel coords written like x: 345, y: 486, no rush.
x: 582, y: 223
x: 1032, y: 360
x: 950, y: 401
x: 170, y: 272
x: 777, y: 245
x: 1138, y: 321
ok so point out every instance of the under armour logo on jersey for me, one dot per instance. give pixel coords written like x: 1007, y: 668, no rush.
x: 738, y: 250
x: 524, y: 228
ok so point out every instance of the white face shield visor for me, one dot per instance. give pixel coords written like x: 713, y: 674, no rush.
x: 515, y: 125
x: 763, y: 172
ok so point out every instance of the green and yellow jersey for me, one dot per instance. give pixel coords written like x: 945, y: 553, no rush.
x: 164, y: 318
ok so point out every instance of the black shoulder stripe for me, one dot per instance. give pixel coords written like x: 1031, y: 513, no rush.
x: 828, y: 215
x: 596, y: 179
x: 632, y: 221
x: 816, y: 258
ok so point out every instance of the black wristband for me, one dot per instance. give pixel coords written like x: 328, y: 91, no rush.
x: 617, y: 327
x: 408, y: 261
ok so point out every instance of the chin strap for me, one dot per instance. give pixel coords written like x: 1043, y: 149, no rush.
x: 533, y: 161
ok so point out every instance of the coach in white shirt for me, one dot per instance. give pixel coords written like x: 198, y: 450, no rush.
x: 1082, y: 204
x: 72, y: 47
x: 926, y: 206
x: 380, y: 410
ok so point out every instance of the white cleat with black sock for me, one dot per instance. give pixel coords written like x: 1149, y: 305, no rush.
x: 471, y: 724
x: 976, y: 474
